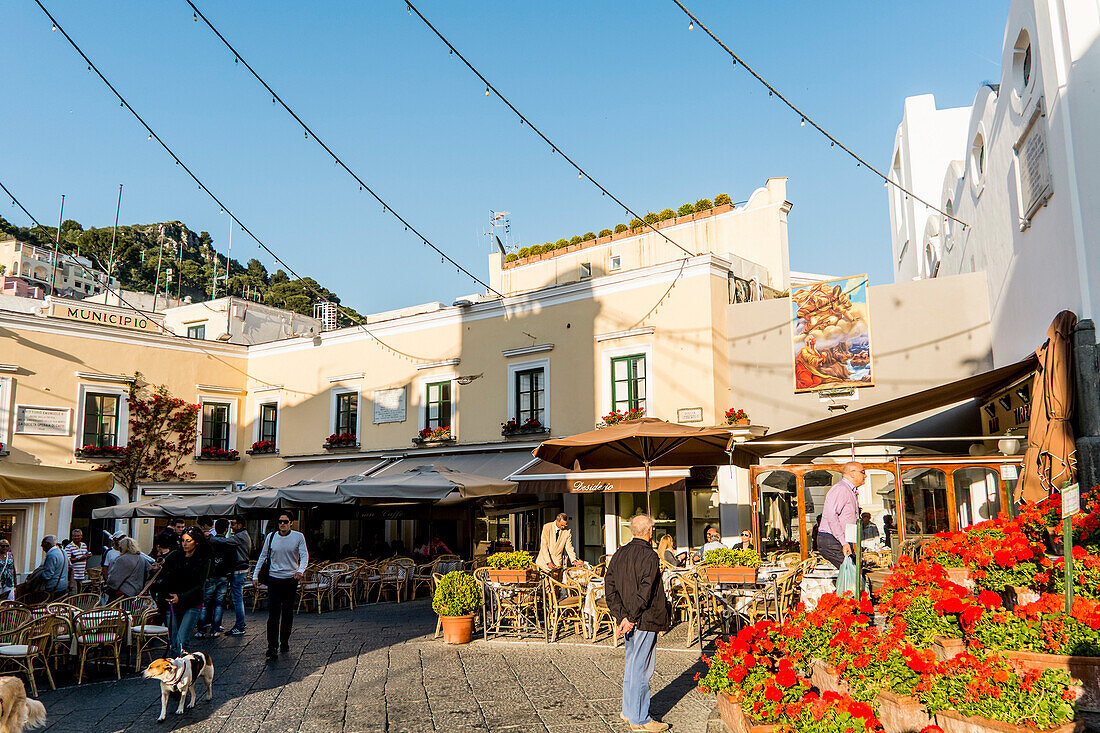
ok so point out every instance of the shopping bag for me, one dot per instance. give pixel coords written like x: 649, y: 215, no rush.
x: 846, y: 578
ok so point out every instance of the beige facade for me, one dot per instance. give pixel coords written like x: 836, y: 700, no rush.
x: 73, y: 275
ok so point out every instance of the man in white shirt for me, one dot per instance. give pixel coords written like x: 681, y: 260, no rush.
x: 77, y: 553
x: 286, y: 550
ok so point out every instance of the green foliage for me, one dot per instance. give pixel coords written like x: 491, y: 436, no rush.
x: 685, y: 209
x: 703, y: 205
x: 561, y: 243
x: 667, y: 214
x: 536, y: 249
x: 620, y: 228
x: 575, y: 239
x: 636, y: 223
x: 524, y: 251
x: 456, y: 595
x: 588, y: 236
x: 606, y: 232
x: 511, y: 257
x: 652, y: 218
x: 520, y: 560
x: 722, y: 199
x: 723, y: 557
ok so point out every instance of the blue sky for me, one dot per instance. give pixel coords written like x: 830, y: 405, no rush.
x: 655, y: 111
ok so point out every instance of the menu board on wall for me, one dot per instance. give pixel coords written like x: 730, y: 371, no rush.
x: 389, y: 405
x: 41, y: 420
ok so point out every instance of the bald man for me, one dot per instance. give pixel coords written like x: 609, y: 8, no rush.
x: 840, y: 512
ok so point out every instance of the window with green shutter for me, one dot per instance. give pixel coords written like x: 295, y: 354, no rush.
x: 437, y: 405
x: 628, y: 388
x: 530, y: 396
x: 100, y: 419
x: 347, y: 411
x: 269, y: 417
x: 215, y: 425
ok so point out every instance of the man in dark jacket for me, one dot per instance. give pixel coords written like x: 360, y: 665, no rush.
x: 243, y: 542
x: 636, y: 598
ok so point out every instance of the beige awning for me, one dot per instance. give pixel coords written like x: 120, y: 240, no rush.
x: 32, y: 481
x: 549, y: 478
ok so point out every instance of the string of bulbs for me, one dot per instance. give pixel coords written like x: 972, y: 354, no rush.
x: 581, y: 172
x: 309, y: 132
x: 833, y: 141
x: 355, y: 318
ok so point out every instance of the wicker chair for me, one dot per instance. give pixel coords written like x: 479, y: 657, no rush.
x: 330, y: 574
x: 100, y: 634
x: 13, y: 619
x: 313, y: 589
x: 93, y: 581
x: 564, y: 604
x: 346, y: 586
x: 604, y: 617
x: 60, y: 649
x: 396, y: 574
x: 30, y: 642
x: 147, y: 637
x: 83, y: 601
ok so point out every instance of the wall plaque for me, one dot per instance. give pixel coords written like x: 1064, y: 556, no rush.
x: 689, y: 414
x: 389, y: 405
x: 41, y: 420
x: 1033, y: 167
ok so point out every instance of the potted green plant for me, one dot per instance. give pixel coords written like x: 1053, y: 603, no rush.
x: 737, y: 417
x: 510, y: 567
x: 456, y: 598
x: 723, y: 565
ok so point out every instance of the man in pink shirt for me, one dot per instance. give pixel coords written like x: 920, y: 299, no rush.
x: 840, y: 512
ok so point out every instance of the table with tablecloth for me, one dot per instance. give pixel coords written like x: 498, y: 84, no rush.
x: 816, y: 583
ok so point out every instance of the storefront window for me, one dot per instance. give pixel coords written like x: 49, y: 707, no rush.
x: 777, y: 511
x: 816, y: 485
x: 704, y: 511
x: 977, y: 495
x: 662, y: 507
x: 592, y: 527
x: 924, y: 491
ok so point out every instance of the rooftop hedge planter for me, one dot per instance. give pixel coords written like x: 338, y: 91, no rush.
x: 946, y: 648
x: 736, y: 720
x: 901, y: 713
x: 219, y: 454
x: 1086, y: 669
x: 951, y: 721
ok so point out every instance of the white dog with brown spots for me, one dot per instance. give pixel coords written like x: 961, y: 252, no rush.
x: 180, y: 675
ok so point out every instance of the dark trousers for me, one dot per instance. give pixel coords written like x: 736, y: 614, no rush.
x: 829, y: 547
x: 281, y: 596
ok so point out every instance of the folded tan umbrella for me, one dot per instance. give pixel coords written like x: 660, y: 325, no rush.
x: 32, y: 481
x: 1051, y: 457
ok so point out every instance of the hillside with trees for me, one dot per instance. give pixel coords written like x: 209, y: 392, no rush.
x: 139, y: 248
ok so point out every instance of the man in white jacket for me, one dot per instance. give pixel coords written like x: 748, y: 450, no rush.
x: 286, y: 549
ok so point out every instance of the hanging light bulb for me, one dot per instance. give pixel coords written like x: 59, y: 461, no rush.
x: 53, y: 26
x: 832, y: 143
x: 409, y: 8
x: 150, y: 137
x: 803, y: 123
x: 306, y: 133
x: 486, y: 91
x: 579, y: 175
x: 691, y: 24
x: 195, y: 16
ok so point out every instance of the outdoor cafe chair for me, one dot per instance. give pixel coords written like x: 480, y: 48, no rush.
x: 395, y: 575
x: 313, y: 589
x: 604, y: 616
x: 83, y: 601
x: 93, y: 581
x: 564, y: 604
x: 61, y: 641
x: 370, y: 577
x: 147, y: 637
x: 100, y: 634
x: 12, y: 619
x: 28, y: 643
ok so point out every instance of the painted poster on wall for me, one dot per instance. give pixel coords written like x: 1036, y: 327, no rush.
x: 831, y: 329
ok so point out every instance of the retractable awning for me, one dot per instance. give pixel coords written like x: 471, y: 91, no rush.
x: 544, y: 477
x: 498, y: 465
x: 321, y: 471
x: 33, y: 481
x: 978, y: 386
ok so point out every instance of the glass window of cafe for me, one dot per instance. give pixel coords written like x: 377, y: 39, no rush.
x: 704, y: 512
x: 662, y: 506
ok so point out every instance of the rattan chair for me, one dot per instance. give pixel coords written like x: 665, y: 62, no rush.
x: 11, y: 620
x: 346, y: 586
x: 396, y: 575
x: 313, y: 589
x: 147, y: 637
x: 30, y: 642
x: 83, y: 601
x: 60, y: 652
x: 564, y: 604
x: 100, y: 634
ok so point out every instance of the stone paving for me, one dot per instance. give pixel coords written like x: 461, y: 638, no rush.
x: 377, y: 669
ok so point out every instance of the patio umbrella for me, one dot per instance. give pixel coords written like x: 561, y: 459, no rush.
x: 33, y: 481
x: 424, y: 483
x: 1051, y: 456
x: 644, y: 442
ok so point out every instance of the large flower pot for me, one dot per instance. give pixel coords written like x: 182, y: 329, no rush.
x: 507, y: 575
x: 947, y: 648
x: 826, y: 678
x: 1086, y: 669
x: 960, y: 576
x: 954, y: 722
x: 458, y: 629
x: 740, y: 574
x: 734, y: 717
x: 901, y: 713
x: 1025, y: 595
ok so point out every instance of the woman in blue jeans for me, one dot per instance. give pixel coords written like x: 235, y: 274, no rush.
x: 184, y: 575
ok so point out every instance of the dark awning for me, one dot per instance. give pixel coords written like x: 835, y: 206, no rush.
x: 320, y: 471
x: 977, y: 386
x: 497, y: 464
x: 544, y: 477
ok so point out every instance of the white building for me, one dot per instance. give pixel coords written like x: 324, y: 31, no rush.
x: 71, y: 276
x: 1021, y: 168
x: 238, y: 321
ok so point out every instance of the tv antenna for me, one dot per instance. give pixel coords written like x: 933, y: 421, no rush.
x: 500, y: 231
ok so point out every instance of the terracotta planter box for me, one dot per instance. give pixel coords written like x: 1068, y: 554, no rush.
x: 1086, y: 669
x: 458, y: 629
x: 740, y: 574
x: 826, y: 679
x: 1025, y: 596
x: 509, y: 576
x: 945, y: 648
x: 901, y: 713
x: 736, y: 720
x: 960, y: 576
x: 954, y: 722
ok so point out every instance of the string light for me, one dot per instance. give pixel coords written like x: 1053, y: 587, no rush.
x: 486, y: 91
x: 860, y: 162
x: 803, y: 123
x: 691, y: 25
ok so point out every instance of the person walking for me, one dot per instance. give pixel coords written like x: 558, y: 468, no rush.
x: 285, y: 555
x: 556, y: 545
x: 183, y: 578
x: 242, y: 542
x: 52, y: 576
x: 841, y: 511
x: 128, y: 572
x: 636, y: 599
x: 77, y: 553
x: 8, y: 572
x: 223, y: 561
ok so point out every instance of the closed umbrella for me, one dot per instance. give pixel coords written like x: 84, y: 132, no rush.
x: 1051, y: 456
x: 644, y: 442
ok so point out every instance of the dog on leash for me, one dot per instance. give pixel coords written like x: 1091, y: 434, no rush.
x: 16, y: 711
x: 180, y: 675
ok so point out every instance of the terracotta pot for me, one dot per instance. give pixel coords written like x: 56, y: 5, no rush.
x: 954, y: 722
x: 827, y: 679
x: 509, y: 576
x: 458, y: 629
x: 1024, y: 595
x: 960, y: 576
x: 739, y: 574
x: 901, y: 713
x: 1086, y: 669
x: 946, y: 648
x: 736, y: 720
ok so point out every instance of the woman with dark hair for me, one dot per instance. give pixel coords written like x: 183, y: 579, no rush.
x: 183, y: 577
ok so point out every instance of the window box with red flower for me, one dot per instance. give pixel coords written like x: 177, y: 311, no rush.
x: 530, y: 426
x: 261, y: 447
x: 338, y: 441
x: 3, y: 450
x: 738, y: 417
x: 436, y: 435
x: 211, y: 453
x: 617, y: 416
x: 100, y: 452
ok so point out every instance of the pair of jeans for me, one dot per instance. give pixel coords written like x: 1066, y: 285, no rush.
x: 640, y: 658
x: 213, y: 599
x: 281, y: 596
x: 181, y: 625
x: 236, y: 591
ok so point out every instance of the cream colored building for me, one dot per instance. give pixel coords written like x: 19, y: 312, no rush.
x: 71, y: 275
x: 682, y: 339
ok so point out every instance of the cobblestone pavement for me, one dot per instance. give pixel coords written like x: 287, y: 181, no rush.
x: 377, y: 669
